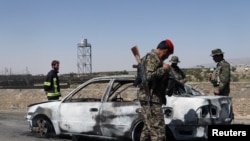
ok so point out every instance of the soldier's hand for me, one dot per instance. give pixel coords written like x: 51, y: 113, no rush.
x: 166, y: 66
x: 216, y: 92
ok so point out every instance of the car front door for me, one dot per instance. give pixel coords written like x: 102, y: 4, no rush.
x: 80, y: 113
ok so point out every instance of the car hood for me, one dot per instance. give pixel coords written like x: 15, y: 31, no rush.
x: 43, y: 102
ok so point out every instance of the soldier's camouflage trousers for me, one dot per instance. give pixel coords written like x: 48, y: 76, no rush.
x: 154, y: 126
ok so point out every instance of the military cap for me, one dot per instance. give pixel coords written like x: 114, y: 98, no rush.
x: 216, y: 52
x: 174, y: 59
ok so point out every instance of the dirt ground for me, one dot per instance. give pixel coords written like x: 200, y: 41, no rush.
x: 18, y: 99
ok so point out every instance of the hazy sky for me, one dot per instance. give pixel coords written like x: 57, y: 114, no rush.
x: 34, y: 32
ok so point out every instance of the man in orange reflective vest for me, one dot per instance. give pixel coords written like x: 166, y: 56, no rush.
x: 51, y: 83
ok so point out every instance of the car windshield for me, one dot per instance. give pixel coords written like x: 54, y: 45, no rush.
x: 186, y: 91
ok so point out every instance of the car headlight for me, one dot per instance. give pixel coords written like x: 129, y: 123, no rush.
x: 168, y: 112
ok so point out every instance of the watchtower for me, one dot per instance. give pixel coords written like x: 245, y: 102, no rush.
x: 84, y: 60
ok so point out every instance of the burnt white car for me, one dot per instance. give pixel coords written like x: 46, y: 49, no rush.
x: 108, y: 108
x: 103, y: 107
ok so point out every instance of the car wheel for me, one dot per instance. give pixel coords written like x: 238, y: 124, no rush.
x: 136, y: 133
x: 42, y: 127
x: 169, y: 134
x: 76, y: 138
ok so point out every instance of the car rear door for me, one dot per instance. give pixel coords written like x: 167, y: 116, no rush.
x: 120, y: 112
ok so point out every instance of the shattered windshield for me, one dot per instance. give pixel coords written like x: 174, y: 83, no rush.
x: 186, y: 90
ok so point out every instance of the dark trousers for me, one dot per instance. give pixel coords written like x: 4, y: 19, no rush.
x: 52, y: 97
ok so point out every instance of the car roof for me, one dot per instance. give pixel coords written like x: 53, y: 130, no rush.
x: 116, y: 77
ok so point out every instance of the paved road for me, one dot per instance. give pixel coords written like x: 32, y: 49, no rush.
x: 14, y: 127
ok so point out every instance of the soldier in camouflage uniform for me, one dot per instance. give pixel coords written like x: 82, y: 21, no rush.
x: 220, y: 78
x: 157, y: 74
x: 178, y: 73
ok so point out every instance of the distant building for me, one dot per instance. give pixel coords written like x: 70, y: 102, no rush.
x: 242, y: 67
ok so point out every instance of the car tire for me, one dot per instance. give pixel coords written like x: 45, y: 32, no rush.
x: 169, y: 135
x: 76, y: 138
x: 137, y: 130
x: 42, y: 127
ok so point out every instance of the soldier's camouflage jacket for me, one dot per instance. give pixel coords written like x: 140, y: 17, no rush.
x: 221, y: 77
x: 153, y: 65
x: 157, y: 76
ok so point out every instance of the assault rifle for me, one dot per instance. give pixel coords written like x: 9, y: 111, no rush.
x: 141, y: 75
